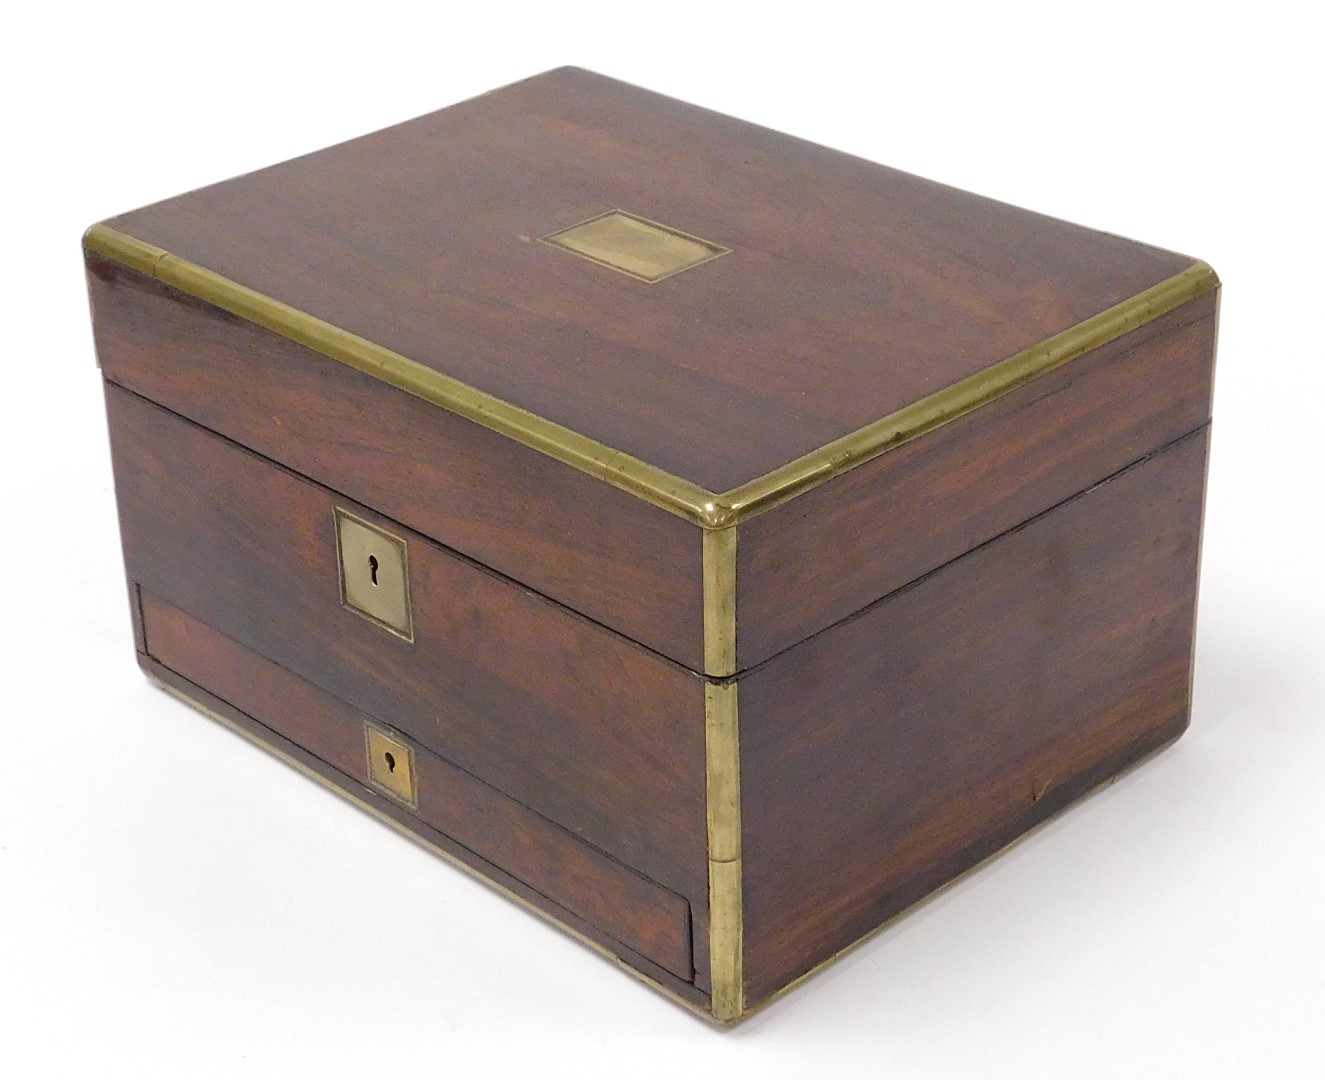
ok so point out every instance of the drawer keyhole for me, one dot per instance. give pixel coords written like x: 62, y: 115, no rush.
x: 372, y: 567
x: 390, y: 760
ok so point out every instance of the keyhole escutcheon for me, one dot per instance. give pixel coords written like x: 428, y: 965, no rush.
x: 374, y: 577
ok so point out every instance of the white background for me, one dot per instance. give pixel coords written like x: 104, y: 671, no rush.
x: 175, y: 903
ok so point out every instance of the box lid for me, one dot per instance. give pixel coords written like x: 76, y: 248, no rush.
x: 711, y: 315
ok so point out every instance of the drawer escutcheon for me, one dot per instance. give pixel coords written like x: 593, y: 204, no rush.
x: 391, y: 765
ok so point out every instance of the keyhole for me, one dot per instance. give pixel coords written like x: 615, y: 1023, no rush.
x: 390, y: 761
x: 372, y: 567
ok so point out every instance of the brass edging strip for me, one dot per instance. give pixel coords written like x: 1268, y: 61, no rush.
x: 648, y: 482
x: 424, y: 842
x: 948, y: 404
x: 720, y: 601
x: 726, y: 911
x: 722, y: 767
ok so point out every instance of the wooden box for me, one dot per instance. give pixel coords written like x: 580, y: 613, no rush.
x: 714, y: 541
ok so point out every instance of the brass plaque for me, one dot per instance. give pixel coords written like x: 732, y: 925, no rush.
x: 374, y: 574
x: 635, y: 246
x: 391, y: 765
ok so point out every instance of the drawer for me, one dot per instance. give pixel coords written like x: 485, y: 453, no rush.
x: 571, y: 721
x: 490, y: 828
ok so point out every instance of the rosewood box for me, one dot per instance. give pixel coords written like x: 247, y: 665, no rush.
x: 714, y: 541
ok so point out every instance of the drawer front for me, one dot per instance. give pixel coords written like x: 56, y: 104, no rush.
x: 624, y: 906
x: 621, y: 561
x: 578, y: 724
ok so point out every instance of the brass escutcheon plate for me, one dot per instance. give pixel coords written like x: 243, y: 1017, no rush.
x: 634, y: 245
x: 374, y: 574
x: 391, y: 765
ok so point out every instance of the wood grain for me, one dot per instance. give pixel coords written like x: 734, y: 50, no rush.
x: 852, y: 289
x: 831, y: 551
x: 888, y: 754
x: 626, y: 907
x: 599, y: 550
x: 571, y: 720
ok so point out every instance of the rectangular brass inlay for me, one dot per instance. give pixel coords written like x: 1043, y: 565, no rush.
x: 635, y: 246
x: 391, y: 765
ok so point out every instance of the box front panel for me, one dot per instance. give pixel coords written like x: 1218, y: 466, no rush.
x: 577, y: 724
x: 888, y: 754
x: 602, y: 551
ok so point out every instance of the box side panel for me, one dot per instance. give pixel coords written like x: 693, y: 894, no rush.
x: 619, y: 904
x: 571, y: 720
x: 828, y: 553
x: 885, y: 756
x: 615, y: 558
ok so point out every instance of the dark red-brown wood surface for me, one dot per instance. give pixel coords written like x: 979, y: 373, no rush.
x: 625, y: 906
x: 573, y: 721
x: 886, y: 744
x: 851, y: 290
x: 884, y: 756
x: 593, y: 547
x: 829, y: 552
x: 412, y: 824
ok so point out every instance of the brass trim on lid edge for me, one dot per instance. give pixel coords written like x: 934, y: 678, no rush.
x: 910, y: 422
x: 646, y: 481
x: 707, y: 509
